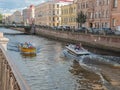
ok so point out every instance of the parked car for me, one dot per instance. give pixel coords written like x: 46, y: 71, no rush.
x: 66, y: 28
x: 54, y: 27
x: 117, y: 32
x: 63, y: 28
x: 60, y: 27
x: 107, y: 31
x: 95, y: 30
x: 81, y: 29
x: 90, y: 30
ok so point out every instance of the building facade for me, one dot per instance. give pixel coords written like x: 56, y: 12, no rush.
x: 69, y: 15
x: 25, y: 16
x: 29, y: 15
x: 16, y: 18
x: 6, y: 19
x: 44, y: 14
x: 98, y: 12
x: 115, y: 14
x: 48, y: 13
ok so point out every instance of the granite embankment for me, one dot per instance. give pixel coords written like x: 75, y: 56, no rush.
x: 111, y: 43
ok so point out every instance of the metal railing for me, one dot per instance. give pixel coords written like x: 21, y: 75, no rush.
x: 10, y: 77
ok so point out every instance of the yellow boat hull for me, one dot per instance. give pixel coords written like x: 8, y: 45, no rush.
x: 27, y: 50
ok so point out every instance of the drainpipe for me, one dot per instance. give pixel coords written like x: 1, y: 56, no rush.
x: 3, y: 41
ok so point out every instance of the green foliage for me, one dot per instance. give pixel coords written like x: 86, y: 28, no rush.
x: 81, y: 18
x: 0, y: 18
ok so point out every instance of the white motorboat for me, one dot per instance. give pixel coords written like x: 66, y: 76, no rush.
x: 81, y: 51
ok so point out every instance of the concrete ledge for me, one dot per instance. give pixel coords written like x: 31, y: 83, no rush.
x: 95, y: 41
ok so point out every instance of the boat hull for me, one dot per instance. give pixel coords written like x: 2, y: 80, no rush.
x: 28, y: 50
x: 71, y: 49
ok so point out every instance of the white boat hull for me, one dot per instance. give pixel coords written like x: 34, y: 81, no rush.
x: 71, y: 49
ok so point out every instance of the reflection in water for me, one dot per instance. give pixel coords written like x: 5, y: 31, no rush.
x: 51, y: 70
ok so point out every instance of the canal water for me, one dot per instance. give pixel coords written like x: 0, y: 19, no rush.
x: 53, y: 68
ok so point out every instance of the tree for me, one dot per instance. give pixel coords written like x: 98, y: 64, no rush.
x: 0, y: 18
x: 81, y: 18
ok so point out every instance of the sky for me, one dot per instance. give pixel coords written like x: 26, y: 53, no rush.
x: 9, y: 6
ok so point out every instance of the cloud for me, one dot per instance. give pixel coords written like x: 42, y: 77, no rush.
x: 10, y: 11
x: 11, y: 5
x: 35, y: 2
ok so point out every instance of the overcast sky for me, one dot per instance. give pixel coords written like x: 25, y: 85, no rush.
x: 9, y: 6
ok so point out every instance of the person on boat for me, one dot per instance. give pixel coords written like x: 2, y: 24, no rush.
x: 78, y: 46
x: 30, y: 45
x: 25, y: 45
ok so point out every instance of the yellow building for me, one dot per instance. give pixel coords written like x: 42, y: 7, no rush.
x: 68, y: 15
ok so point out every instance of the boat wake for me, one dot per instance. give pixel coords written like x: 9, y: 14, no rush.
x: 91, y: 58
x: 93, y: 63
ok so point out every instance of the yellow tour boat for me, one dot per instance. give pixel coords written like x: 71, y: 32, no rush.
x: 27, y: 48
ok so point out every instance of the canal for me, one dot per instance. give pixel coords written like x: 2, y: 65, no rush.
x: 55, y: 69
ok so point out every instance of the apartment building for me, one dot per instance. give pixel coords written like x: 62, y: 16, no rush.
x: 115, y: 13
x: 6, y: 18
x: 16, y: 17
x: 29, y: 15
x: 46, y: 14
x: 25, y: 16
x: 98, y: 12
x: 69, y: 15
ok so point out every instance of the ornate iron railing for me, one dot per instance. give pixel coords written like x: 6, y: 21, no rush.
x: 10, y: 77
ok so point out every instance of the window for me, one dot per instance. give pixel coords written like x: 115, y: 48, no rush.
x: 97, y: 2
x: 107, y: 13
x: 57, y: 5
x: 107, y: 2
x: 113, y: 22
x: 114, y: 3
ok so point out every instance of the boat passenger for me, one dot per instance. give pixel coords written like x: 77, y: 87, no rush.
x: 78, y: 46
x: 25, y: 45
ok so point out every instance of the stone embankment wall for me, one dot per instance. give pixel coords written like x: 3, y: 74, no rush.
x: 19, y: 29
x: 111, y: 43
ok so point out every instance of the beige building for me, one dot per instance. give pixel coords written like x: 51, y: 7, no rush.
x: 16, y: 17
x: 6, y: 19
x: 69, y: 15
x: 29, y: 15
x: 25, y: 16
x: 48, y: 13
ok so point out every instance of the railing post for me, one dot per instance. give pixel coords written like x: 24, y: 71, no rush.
x: 3, y: 41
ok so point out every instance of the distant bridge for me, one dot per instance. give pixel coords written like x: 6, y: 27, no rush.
x: 27, y: 28
x: 15, y: 33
